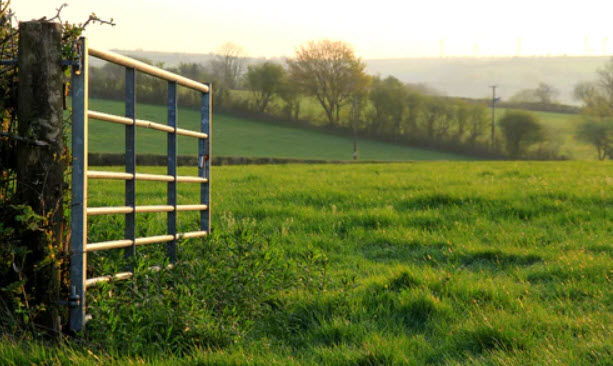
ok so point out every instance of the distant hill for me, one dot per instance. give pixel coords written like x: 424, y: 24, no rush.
x: 471, y: 77
x: 169, y: 58
x: 457, y: 76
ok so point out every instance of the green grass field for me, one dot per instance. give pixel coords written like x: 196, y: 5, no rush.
x: 439, y: 263
x: 234, y: 136
x: 560, y: 126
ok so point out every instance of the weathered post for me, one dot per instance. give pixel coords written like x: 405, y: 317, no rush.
x: 355, y: 128
x: 40, y: 173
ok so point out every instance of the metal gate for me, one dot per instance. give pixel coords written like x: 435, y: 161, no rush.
x: 80, y: 172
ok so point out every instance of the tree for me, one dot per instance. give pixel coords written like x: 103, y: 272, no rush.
x: 546, y: 93
x: 438, y: 115
x: 520, y: 130
x: 330, y: 71
x: 291, y: 94
x: 605, y: 81
x: 595, y: 102
x: 415, y: 104
x: 543, y: 94
x: 463, y: 111
x: 264, y: 81
x: 598, y: 133
x: 227, y: 68
x: 524, y: 96
x: 388, y: 100
x: 597, y: 98
x: 478, y: 122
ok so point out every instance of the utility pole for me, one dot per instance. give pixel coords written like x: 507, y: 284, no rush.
x: 355, y: 128
x: 493, y: 116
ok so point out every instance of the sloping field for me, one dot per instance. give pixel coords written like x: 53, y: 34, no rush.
x: 234, y: 136
x: 559, y: 127
x: 417, y: 263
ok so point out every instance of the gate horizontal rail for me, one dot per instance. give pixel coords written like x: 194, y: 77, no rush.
x: 97, y: 174
x: 80, y: 245
x: 113, y: 210
x: 116, y: 244
x: 143, y: 123
x: 119, y: 276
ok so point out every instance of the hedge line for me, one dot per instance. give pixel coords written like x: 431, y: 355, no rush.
x: 104, y: 159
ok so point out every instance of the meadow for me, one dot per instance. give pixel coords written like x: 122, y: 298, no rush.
x: 559, y: 127
x: 234, y: 136
x: 441, y: 263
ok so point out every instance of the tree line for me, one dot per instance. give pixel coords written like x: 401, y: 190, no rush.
x: 597, y: 98
x: 329, y: 75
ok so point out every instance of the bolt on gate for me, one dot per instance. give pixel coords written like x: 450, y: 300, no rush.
x: 80, y: 172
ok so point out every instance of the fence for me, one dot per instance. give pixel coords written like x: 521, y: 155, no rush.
x: 80, y: 172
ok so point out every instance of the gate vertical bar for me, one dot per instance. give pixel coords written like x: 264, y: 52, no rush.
x: 172, y: 169
x: 78, y: 222
x: 130, y: 223
x: 204, y: 158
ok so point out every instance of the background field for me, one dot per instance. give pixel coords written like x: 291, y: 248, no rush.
x: 234, y: 136
x: 559, y: 127
x: 423, y: 263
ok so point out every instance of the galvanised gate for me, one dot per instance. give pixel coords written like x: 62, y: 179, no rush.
x: 81, y: 173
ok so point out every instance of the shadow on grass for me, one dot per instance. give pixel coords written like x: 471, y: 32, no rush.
x: 485, y: 338
x: 393, y: 250
x: 495, y: 258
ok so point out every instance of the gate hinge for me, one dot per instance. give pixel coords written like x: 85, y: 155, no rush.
x: 74, y: 300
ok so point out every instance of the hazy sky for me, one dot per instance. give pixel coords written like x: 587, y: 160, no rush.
x: 377, y: 29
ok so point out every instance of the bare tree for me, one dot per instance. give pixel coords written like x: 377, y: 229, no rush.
x: 330, y: 71
x: 546, y: 93
x: 543, y: 94
x: 227, y: 68
x: 605, y: 81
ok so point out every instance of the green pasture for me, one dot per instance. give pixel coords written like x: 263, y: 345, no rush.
x: 561, y: 127
x: 233, y: 136
x: 438, y: 263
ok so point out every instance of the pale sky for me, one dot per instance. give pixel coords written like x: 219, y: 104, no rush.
x: 376, y: 28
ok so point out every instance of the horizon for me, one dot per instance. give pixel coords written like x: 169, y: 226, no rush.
x: 607, y: 56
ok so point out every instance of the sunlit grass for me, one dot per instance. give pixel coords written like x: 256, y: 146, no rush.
x: 422, y: 263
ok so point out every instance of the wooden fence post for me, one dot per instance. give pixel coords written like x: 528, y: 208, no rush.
x: 40, y: 171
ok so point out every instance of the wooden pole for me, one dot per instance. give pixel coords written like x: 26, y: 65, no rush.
x: 355, y: 128
x: 40, y: 171
x: 493, y: 127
